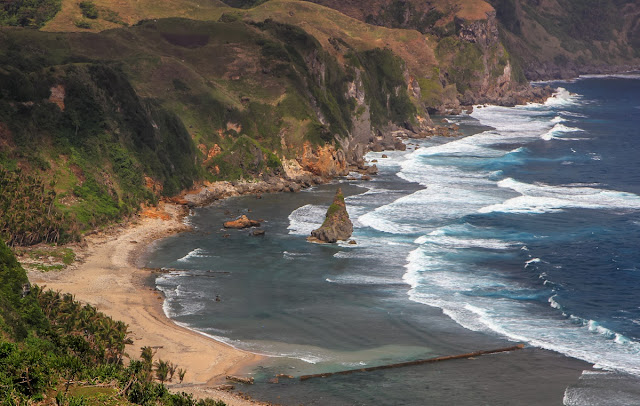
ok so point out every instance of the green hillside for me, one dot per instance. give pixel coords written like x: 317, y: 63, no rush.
x: 51, y: 346
x: 563, y: 38
x: 116, y: 103
x: 104, y: 122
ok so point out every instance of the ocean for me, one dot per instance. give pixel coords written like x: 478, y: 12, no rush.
x: 524, y: 230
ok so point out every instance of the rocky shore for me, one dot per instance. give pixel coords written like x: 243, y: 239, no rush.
x: 322, y: 165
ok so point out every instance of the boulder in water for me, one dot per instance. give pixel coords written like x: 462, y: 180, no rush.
x: 242, y: 222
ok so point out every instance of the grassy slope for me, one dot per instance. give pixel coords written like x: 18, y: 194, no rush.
x: 132, y: 11
x: 324, y: 23
x: 245, y: 90
x: 467, y: 9
x: 571, y: 34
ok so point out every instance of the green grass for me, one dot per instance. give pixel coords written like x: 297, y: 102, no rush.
x: 64, y: 255
x: 48, y: 268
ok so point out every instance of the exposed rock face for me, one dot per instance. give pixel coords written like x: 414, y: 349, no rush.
x: 326, y: 161
x: 242, y: 222
x: 337, y: 225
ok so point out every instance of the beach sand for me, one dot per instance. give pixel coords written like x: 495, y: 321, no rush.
x: 106, y: 276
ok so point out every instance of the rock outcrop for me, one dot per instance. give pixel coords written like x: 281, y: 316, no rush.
x: 337, y: 225
x: 242, y: 222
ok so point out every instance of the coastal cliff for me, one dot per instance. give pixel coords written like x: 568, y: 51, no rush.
x: 105, y: 111
x: 562, y: 39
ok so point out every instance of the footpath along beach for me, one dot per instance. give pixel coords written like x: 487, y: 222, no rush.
x: 106, y: 276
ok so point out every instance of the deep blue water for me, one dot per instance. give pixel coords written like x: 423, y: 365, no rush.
x: 525, y: 230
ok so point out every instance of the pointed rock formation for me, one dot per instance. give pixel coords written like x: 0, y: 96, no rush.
x: 337, y: 225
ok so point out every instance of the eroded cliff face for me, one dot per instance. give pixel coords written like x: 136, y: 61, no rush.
x: 563, y: 39
x: 477, y: 63
x: 324, y: 161
x: 472, y: 65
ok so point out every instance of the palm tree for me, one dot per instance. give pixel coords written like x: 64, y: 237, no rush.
x: 181, y: 374
x: 162, y: 370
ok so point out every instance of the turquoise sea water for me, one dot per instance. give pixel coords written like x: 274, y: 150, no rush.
x: 525, y: 230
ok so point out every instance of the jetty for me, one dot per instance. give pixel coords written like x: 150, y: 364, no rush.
x: 416, y: 362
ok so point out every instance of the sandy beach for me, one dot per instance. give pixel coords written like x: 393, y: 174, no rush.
x: 105, y: 276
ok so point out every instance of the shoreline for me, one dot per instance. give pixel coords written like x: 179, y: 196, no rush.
x: 106, y: 276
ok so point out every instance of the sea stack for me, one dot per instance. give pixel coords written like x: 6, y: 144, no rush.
x: 337, y: 225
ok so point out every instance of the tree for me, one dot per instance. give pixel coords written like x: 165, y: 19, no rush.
x: 162, y: 370
x: 181, y: 374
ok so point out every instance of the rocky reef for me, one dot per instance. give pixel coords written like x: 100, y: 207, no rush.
x: 336, y: 225
x: 242, y: 222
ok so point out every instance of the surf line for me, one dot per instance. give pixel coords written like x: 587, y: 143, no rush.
x: 417, y: 362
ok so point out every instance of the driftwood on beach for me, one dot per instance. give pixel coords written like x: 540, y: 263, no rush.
x: 416, y: 362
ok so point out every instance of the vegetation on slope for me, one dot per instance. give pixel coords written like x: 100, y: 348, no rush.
x: 51, y: 345
x: 565, y: 37
x: 87, y: 151
x: 111, y: 14
x: 28, y: 13
x: 108, y: 121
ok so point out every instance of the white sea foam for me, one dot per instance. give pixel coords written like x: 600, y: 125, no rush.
x: 541, y: 198
x: 553, y: 303
x: 557, y: 131
x: 173, y: 306
x: 562, y: 97
x: 451, y: 197
x: 597, y: 388
x: 629, y: 75
x: 532, y: 261
x: 355, y: 279
x: 196, y: 253
x: 305, y: 219
x: 573, y: 114
x: 461, y: 243
x: 462, y: 294
x: 294, y: 255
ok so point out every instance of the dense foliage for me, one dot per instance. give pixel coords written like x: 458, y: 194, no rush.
x: 386, y: 88
x: 51, y: 344
x: 579, y: 33
x: 93, y: 149
x: 28, y: 13
x: 27, y: 212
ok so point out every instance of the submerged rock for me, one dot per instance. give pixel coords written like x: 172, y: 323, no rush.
x: 242, y: 222
x: 337, y: 225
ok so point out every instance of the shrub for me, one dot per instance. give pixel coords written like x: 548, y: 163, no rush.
x: 28, y: 13
x: 84, y: 24
x: 89, y: 9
